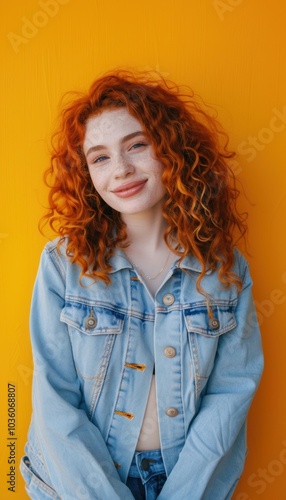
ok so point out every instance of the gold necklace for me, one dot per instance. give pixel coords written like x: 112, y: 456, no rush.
x: 142, y: 273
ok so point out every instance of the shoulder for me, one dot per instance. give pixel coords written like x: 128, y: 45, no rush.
x: 241, y: 267
x: 55, y: 256
x: 57, y: 245
x: 56, y: 249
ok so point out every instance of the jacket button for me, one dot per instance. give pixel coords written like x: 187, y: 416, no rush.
x: 172, y: 412
x: 214, y: 324
x: 170, y: 352
x: 90, y: 321
x: 168, y: 299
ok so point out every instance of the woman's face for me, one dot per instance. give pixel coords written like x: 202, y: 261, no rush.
x: 122, y: 163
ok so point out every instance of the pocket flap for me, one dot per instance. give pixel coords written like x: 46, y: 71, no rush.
x: 197, y: 319
x: 92, y: 320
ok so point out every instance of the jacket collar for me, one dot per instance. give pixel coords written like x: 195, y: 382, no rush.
x: 191, y: 263
x: 119, y: 261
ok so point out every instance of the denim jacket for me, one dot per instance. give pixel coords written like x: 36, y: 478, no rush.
x: 94, y: 348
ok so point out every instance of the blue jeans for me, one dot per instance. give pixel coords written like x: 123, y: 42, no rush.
x: 147, y: 475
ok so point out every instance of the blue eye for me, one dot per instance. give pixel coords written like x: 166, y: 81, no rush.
x: 100, y: 159
x: 138, y: 145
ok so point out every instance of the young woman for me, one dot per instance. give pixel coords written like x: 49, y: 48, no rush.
x: 145, y: 340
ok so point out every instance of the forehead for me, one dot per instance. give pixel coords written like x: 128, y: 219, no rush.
x: 108, y: 125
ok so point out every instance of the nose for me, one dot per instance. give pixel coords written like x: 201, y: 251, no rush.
x: 123, y: 167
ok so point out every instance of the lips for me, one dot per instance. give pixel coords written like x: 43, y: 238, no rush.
x: 129, y: 189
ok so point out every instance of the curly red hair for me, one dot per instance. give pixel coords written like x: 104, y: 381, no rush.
x: 200, y: 202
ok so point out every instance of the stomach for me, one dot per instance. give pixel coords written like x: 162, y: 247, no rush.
x: 149, y: 437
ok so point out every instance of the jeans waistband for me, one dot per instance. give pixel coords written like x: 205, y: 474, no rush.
x: 146, y: 464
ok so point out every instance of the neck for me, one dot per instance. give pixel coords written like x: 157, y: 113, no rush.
x: 146, y: 230
x: 147, y: 250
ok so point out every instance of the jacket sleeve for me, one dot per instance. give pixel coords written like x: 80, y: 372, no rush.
x: 73, y: 450
x: 210, y: 457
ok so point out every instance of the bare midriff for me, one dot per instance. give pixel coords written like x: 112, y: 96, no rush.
x: 149, y: 438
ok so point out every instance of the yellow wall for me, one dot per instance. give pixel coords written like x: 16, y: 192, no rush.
x: 232, y: 52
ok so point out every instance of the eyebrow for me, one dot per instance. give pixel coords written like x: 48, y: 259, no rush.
x: 124, y: 139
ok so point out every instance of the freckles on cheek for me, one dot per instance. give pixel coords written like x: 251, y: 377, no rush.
x: 95, y: 184
x: 99, y: 184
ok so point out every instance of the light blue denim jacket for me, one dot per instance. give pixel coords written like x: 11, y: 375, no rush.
x: 94, y: 349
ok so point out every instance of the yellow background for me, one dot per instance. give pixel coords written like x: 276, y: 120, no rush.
x: 232, y: 52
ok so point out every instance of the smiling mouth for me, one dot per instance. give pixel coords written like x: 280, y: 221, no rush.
x: 129, y: 189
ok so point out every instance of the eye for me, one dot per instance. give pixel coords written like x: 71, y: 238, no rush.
x: 99, y: 159
x: 138, y: 145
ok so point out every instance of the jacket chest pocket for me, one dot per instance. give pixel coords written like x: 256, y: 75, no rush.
x: 92, y: 331
x: 204, y: 331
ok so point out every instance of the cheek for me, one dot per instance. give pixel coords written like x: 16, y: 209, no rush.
x: 158, y: 167
x: 97, y: 181
x: 158, y: 172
